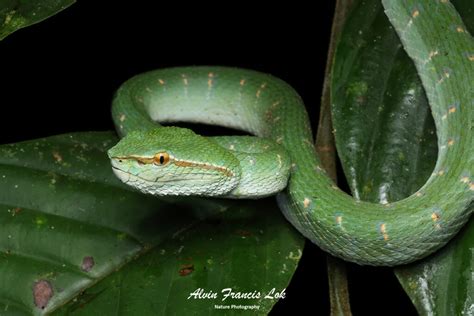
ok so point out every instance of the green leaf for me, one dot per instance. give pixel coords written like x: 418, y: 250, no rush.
x: 17, y: 14
x: 443, y: 283
x: 386, y: 140
x: 73, y: 236
x: 384, y: 129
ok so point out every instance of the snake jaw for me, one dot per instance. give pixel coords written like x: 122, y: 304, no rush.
x: 122, y: 175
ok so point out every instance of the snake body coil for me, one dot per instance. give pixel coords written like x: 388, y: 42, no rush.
x: 374, y: 234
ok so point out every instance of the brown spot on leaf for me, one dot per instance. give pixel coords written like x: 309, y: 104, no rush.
x: 186, y: 269
x: 42, y: 293
x: 57, y: 157
x: 243, y: 233
x: 87, y: 263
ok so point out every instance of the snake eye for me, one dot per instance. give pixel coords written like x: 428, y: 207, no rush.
x: 161, y: 158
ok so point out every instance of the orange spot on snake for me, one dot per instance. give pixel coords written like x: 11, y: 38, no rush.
x: 383, y: 230
x: 306, y: 202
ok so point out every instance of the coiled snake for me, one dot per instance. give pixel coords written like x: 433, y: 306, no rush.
x: 175, y: 161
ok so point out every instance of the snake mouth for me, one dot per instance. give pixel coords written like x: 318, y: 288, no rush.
x: 122, y: 175
x: 126, y: 177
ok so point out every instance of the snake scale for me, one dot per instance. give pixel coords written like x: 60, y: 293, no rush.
x: 176, y: 161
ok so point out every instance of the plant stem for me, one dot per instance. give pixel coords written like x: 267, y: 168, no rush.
x: 337, y: 275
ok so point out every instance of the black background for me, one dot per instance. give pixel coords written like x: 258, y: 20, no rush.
x: 59, y: 76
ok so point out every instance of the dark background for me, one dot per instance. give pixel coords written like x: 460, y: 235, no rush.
x: 59, y: 77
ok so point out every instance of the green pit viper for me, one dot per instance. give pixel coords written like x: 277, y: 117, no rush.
x: 176, y: 161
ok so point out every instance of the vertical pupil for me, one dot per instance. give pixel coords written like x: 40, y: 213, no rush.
x: 162, y: 159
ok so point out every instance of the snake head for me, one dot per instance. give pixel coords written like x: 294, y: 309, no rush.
x: 174, y: 161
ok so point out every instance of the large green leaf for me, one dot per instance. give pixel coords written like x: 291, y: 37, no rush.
x: 73, y: 234
x: 443, y: 284
x: 386, y: 140
x: 17, y: 14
